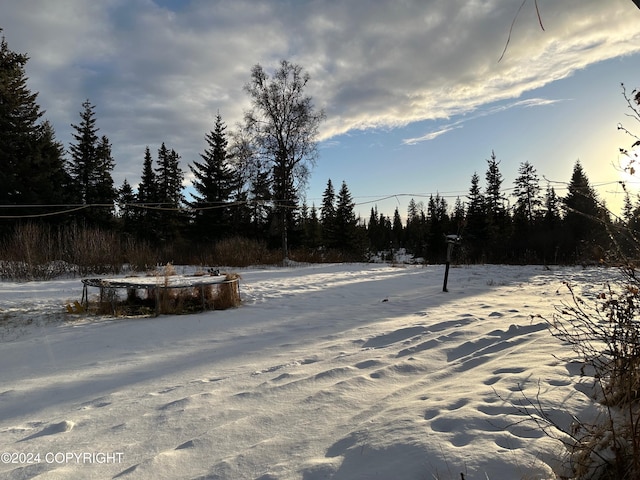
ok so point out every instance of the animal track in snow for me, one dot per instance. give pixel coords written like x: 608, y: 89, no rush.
x: 53, y: 429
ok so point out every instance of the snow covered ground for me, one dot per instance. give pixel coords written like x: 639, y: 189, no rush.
x: 353, y: 371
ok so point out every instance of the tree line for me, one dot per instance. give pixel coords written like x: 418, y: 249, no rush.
x: 250, y: 184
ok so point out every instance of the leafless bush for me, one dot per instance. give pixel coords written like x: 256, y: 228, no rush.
x: 34, y: 251
x: 316, y: 255
x: 139, y: 255
x: 242, y: 252
x: 603, y: 441
x: 93, y: 250
x: 606, y: 334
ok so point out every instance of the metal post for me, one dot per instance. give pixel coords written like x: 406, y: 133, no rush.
x: 451, y: 241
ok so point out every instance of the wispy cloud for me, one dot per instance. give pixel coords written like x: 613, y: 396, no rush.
x: 432, y: 135
x: 531, y: 102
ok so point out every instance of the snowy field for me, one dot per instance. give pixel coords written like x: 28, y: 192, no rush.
x: 354, y: 371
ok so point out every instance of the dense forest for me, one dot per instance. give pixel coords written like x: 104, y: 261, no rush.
x: 247, y: 190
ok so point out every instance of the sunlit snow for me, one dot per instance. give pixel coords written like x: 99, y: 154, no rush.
x: 350, y: 371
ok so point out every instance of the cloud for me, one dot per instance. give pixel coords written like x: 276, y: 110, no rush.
x: 160, y: 73
x: 479, y: 113
x: 432, y: 135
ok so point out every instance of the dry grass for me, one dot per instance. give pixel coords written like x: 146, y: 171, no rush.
x: 228, y: 293
x: 33, y: 251
x: 166, y: 300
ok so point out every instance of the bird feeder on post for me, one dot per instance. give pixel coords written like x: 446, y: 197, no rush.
x: 452, y: 240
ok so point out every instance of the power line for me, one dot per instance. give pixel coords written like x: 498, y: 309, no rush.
x: 169, y: 207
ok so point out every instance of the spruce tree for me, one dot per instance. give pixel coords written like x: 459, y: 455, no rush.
x: 438, y: 225
x: 583, y: 216
x: 32, y: 169
x: 90, y: 168
x: 19, y: 114
x: 214, y: 183
x: 346, y: 233
x: 397, y: 229
x: 552, y: 214
x: 314, y: 230
x: 43, y: 173
x: 147, y: 189
x: 147, y: 198
x: 494, y: 198
x: 551, y: 227
x: 126, y: 210
x: 526, y: 236
x: 498, y: 221
x: 373, y: 231
x: 171, y: 220
x: 83, y: 152
x: 416, y: 229
x: 527, y: 192
x: 385, y: 235
x: 457, y: 217
x: 475, y: 232
x: 328, y: 216
x: 169, y: 177
x: 103, y: 191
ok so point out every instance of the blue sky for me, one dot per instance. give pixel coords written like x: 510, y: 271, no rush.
x: 415, y: 97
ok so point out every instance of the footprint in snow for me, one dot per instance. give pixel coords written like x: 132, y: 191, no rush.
x: 61, y: 427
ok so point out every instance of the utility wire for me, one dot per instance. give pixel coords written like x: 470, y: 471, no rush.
x: 167, y: 207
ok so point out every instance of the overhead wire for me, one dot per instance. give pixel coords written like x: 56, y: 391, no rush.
x: 71, y: 208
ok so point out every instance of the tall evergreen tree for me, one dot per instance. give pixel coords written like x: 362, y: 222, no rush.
x: 385, y: 233
x: 83, y: 153
x: 527, y: 192
x: 526, y: 213
x: 214, y: 182
x: 552, y: 212
x: 147, y: 189
x: 416, y: 229
x: 44, y: 169
x: 90, y: 167
x: 397, y: 230
x: 103, y: 191
x: 126, y: 210
x: 169, y: 177
x: 347, y: 238
x: 32, y: 169
x: 475, y: 232
x: 498, y: 221
x: 583, y: 216
x: 19, y: 114
x: 147, y: 198
x: 457, y: 217
x: 328, y: 216
x: 494, y: 198
x: 171, y: 220
x: 373, y: 231
x: 438, y: 227
x: 313, y: 230
x: 551, y: 226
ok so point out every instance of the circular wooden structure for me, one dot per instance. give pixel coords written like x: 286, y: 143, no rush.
x: 165, y: 293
